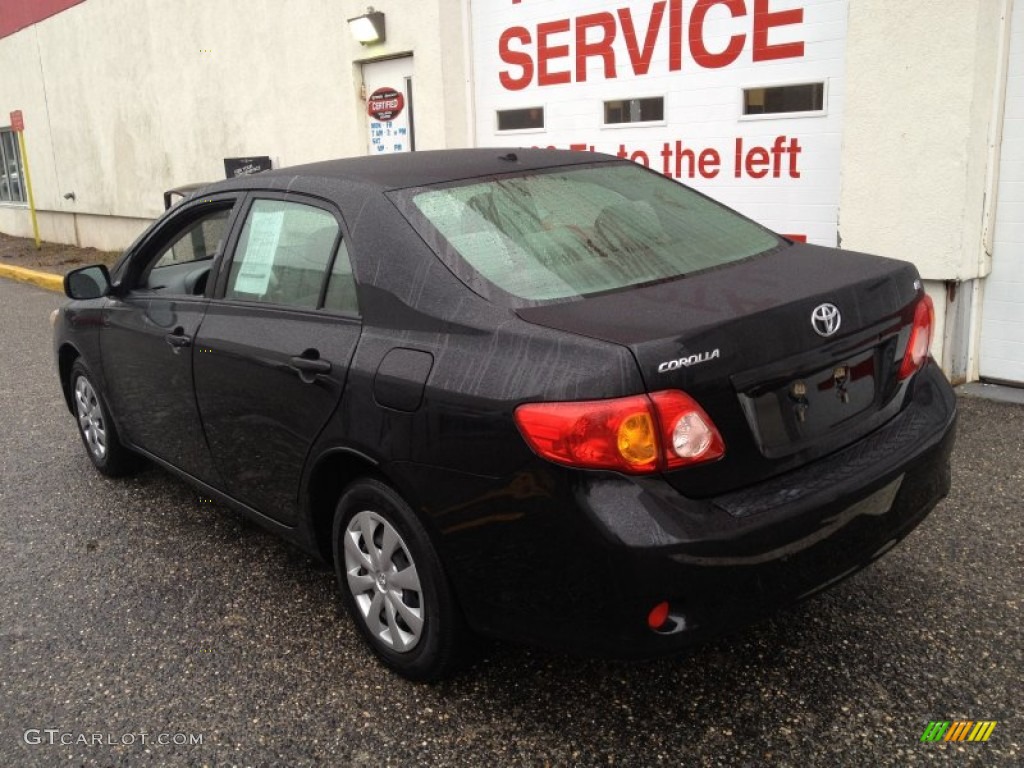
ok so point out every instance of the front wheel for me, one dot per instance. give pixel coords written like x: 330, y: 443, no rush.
x: 393, y: 583
x: 96, y: 428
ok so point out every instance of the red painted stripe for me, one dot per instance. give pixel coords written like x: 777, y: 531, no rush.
x: 18, y: 14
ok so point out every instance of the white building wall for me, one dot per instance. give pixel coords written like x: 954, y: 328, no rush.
x: 919, y: 102
x: 126, y: 98
x: 922, y: 95
x: 21, y: 87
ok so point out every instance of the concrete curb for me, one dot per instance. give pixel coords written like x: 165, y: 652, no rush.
x: 47, y: 280
x: 998, y: 392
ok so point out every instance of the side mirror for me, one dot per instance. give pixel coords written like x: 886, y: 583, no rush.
x: 87, y: 282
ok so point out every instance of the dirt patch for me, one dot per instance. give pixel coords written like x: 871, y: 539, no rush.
x: 50, y: 257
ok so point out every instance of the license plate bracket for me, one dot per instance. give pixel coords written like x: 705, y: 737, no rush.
x: 796, y: 412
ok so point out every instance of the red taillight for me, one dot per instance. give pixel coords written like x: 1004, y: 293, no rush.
x: 920, y: 337
x: 636, y: 435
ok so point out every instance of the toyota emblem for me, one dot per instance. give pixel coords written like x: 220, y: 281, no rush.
x: 825, y: 319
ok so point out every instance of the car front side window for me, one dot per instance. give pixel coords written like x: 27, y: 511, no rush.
x: 181, y: 264
x: 200, y: 241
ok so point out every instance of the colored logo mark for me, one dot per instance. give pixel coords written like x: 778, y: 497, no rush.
x: 958, y: 730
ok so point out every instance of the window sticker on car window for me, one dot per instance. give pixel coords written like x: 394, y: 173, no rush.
x: 258, y: 259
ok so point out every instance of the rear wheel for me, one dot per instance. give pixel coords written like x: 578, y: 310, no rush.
x: 393, y: 583
x: 96, y: 428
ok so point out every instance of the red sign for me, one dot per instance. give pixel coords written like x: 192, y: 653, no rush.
x: 385, y: 104
x: 17, y: 121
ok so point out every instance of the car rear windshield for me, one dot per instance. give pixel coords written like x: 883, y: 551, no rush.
x: 571, y: 232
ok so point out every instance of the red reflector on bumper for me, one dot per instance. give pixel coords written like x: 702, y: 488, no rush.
x: 658, y: 616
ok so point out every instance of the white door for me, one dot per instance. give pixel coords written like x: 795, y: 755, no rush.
x: 388, y: 87
x: 1002, y: 330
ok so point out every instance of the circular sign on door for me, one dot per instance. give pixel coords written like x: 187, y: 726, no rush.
x: 385, y: 104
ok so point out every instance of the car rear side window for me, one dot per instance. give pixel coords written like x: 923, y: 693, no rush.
x: 282, y: 254
x: 572, y: 232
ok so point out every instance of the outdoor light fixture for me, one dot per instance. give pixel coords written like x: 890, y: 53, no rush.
x: 368, y: 28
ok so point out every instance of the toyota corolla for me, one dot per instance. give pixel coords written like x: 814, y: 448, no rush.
x: 546, y: 396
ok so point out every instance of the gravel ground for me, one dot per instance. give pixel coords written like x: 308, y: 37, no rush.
x: 131, y: 607
x: 49, y: 257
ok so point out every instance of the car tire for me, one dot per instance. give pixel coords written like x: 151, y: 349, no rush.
x: 96, y: 428
x: 393, y: 584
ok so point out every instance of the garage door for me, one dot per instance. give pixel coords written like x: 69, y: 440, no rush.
x: 1002, y: 330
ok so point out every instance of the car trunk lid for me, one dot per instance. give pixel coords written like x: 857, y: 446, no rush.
x: 742, y: 340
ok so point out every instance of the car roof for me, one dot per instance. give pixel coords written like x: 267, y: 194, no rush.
x: 416, y: 169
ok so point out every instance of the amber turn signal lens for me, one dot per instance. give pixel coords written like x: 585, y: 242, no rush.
x: 636, y: 439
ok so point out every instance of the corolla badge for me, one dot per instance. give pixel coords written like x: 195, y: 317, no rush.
x: 825, y: 319
x: 686, y: 362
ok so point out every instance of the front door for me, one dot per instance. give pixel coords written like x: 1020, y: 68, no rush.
x: 274, y: 348
x: 151, y: 324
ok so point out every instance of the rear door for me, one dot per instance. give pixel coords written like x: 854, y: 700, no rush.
x: 150, y: 327
x: 274, y: 349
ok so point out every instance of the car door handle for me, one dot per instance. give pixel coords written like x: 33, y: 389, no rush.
x: 312, y: 366
x: 178, y: 340
x: 309, y: 367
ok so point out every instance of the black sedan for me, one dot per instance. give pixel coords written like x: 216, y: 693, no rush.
x: 547, y: 396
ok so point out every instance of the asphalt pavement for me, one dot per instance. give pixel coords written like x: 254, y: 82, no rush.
x: 132, y: 607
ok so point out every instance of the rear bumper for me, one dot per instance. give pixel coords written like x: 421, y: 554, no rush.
x: 577, y: 560
x: 723, y: 562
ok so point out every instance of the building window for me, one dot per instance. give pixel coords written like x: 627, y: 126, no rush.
x: 782, y: 99
x: 12, y: 172
x: 634, y: 110
x: 529, y: 118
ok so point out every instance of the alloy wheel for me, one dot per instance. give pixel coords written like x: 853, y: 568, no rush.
x: 90, y: 418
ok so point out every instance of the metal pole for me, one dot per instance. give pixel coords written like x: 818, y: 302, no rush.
x: 28, y: 187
